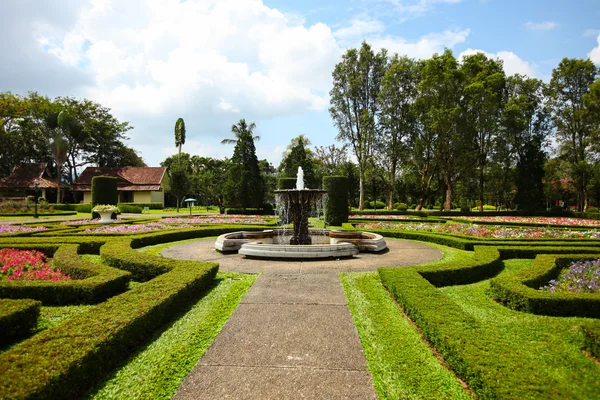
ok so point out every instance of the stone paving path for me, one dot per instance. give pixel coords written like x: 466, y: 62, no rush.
x: 292, y: 335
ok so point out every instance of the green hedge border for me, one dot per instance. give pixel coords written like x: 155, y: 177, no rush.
x: 92, y: 283
x: 439, y: 318
x: 55, y: 214
x: 520, y: 291
x: 92, y: 343
x: 591, y: 335
x: 17, y: 319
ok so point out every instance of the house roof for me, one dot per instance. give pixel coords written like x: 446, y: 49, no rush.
x: 23, y: 177
x: 130, y: 178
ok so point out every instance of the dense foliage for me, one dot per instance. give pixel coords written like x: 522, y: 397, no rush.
x: 104, y: 190
x: 336, y: 207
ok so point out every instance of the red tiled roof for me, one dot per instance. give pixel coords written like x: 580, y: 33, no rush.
x: 24, y: 175
x: 130, y: 178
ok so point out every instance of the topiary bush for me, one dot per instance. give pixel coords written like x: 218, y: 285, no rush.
x: 336, y: 207
x: 286, y: 183
x: 104, y: 190
x: 400, y: 206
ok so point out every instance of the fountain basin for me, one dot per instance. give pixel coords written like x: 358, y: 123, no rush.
x: 275, y: 244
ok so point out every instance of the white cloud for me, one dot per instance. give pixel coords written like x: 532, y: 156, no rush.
x: 358, y: 28
x: 594, y: 55
x: 157, y: 56
x: 513, y: 64
x: 540, y: 26
x: 425, y: 46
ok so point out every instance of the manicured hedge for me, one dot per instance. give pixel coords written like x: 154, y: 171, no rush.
x: 65, y: 207
x: 591, y: 334
x: 521, y: 292
x: 17, y: 318
x: 104, y: 190
x: 251, y: 211
x: 126, y: 208
x: 91, y: 283
x: 55, y: 214
x: 65, y: 361
x: 441, y: 321
x: 336, y: 207
x: 121, y: 254
x: 83, y: 208
x: 151, y: 206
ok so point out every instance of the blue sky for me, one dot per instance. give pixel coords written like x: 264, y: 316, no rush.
x: 215, y: 62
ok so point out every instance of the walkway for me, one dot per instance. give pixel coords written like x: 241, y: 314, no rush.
x: 292, y: 335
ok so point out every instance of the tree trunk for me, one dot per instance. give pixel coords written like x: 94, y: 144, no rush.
x: 391, y: 199
x: 420, y: 203
x: 448, y: 205
x: 481, y: 190
x: 58, y: 165
x: 361, y: 190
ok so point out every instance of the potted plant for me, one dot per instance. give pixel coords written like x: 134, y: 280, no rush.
x: 105, y: 211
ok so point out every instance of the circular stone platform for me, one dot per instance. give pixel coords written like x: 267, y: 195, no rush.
x: 399, y: 253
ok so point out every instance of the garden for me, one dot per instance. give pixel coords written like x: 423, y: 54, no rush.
x: 511, y: 311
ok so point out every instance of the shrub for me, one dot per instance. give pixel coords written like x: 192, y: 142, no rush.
x: 125, y: 208
x: 83, y: 208
x: 400, y: 206
x: 520, y: 291
x: 92, y: 343
x: 104, y: 190
x: 251, y: 211
x: 92, y: 283
x: 17, y: 318
x: 375, y: 204
x: 591, y: 335
x: 65, y: 207
x: 286, y: 183
x: 151, y: 206
x: 336, y: 208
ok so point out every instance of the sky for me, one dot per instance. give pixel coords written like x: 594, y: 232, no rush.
x: 213, y: 63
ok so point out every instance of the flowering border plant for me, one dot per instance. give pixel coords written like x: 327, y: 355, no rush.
x: 29, y: 265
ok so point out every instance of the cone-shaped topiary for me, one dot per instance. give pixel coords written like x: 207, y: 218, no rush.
x: 336, y: 207
x: 104, y: 190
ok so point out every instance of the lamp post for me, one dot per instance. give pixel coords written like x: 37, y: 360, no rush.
x: 36, y: 184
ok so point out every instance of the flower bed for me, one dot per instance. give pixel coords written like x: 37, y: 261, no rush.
x: 10, y: 229
x: 533, y: 220
x: 391, y: 217
x: 488, y: 231
x: 135, y: 228
x: 28, y: 265
x: 221, y: 219
x: 81, y: 222
x: 582, y: 277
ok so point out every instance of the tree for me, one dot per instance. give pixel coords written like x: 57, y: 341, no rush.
x: 297, y: 155
x: 179, y: 134
x: 59, y: 147
x: 354, y: 98
x: 244, y: 186
x: 576, y: 126
x: 241, y: 128
x: 526, y: 127
x: 179, y: 182
x: 484, y: 87
x: 330, y: 159
x: 397, y: 120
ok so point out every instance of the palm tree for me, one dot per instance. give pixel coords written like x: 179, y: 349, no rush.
x: 179, y: 134
x: 239, y: 129
x: 59, y: 147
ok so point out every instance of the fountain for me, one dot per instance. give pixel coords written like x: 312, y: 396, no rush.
x: 298, y: 204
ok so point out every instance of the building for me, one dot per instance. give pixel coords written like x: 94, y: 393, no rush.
x: 135, y: 184
x: 23, y: 179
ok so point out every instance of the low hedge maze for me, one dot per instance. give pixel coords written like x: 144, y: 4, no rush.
x: 92, y: 343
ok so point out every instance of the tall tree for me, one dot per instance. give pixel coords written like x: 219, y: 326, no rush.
x: 354, y: 98
x: 298, y: 155
x: 242, y: 127
x: 331, y: 158
x: 244, y: 186
x: 576, y: 127
x: 526, y: 127
x: 485, y: 81
x: 179, y: 134
x: 398, y: 118
x: 440, y: 92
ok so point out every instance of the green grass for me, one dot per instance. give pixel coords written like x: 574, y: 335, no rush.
x: 526, y: 356
x: 402, y: 365
x: 157, y: 370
